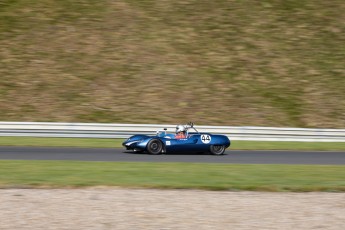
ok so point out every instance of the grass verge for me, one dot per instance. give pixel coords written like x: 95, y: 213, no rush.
x: 116, y: 143
x: 276, y: 178
x: 61, y: 142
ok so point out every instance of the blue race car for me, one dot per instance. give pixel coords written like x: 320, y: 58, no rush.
x: 164, y: 142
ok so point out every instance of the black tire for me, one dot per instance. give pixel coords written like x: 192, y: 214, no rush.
x: 217, y: 149
x: 154, y: 147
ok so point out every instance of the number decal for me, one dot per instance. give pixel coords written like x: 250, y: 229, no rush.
x: 205, y: 139
x: 168, y: 143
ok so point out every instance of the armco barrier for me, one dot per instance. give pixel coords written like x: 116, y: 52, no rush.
x: 100, y: 130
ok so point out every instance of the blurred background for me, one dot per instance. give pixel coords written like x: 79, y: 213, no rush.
x: 222, y: 62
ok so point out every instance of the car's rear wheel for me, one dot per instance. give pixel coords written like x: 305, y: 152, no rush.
x: 217, y: 149
x: 155, y: 147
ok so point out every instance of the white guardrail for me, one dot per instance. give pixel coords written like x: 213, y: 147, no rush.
x: 102, y: 130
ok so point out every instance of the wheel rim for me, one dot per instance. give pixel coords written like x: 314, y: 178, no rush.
x: 155, y: 147
x: 217, y: 149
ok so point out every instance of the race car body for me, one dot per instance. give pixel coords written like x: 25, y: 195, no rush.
x: 164, y: 142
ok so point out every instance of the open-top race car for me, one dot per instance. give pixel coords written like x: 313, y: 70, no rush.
x: 189, y: 142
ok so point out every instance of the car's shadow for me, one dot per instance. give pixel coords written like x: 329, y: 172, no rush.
x: 175, y: 153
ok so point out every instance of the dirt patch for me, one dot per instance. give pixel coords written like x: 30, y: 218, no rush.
x: 115, y: 208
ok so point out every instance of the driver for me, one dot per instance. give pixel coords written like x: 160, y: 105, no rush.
x: 180, y: 132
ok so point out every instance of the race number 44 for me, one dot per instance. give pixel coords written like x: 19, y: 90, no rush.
x: 205, y: 138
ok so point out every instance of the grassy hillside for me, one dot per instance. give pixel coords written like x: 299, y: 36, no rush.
x: 222, y: 62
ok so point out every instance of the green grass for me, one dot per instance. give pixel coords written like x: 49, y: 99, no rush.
x: 276, y: 178
x: 116, y: 143
x: 61, y: 142
x: 286, y: 145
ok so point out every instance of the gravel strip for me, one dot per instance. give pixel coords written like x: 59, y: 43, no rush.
x: 118, y: 208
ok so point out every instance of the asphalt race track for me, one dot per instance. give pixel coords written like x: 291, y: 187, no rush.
x: 120, y: 155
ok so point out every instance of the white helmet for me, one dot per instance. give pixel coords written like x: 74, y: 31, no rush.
x: 180, y: 128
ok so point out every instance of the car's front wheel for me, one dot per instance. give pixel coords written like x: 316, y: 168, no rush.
x: 155, y: 147
x: 217, y: 149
